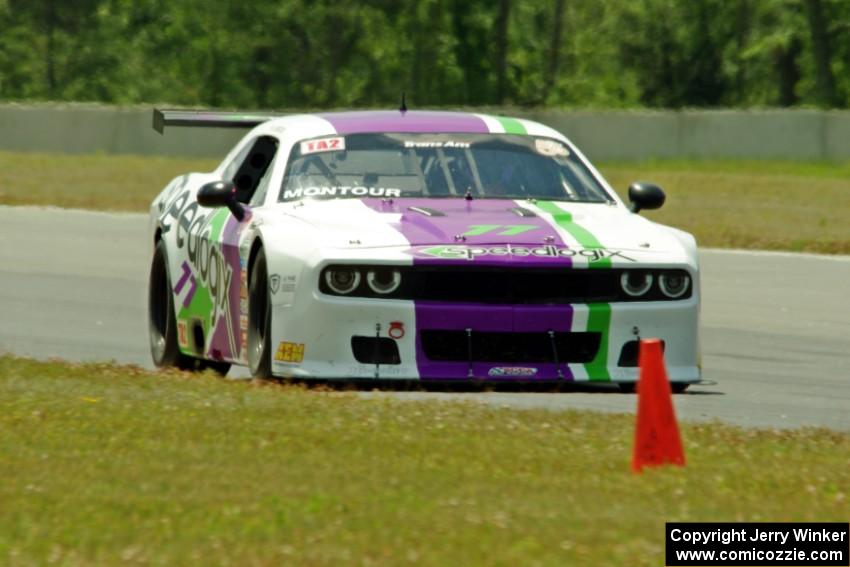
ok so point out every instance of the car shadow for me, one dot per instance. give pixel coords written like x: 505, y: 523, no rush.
x: 565, y: 387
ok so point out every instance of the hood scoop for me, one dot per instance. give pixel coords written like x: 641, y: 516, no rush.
x: 522, y: 212
x: 427, y: 211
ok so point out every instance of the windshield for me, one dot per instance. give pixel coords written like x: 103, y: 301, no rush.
x: 502, y: 166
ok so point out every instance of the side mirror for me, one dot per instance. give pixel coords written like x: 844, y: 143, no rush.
x: 221, y: 194
x: 645, y: 196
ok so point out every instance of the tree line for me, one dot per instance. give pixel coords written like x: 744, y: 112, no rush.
x: 339, y: 53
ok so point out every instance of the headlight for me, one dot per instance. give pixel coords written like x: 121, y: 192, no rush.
x: 342, y: 280
x: 635, y: 283
x: 674, y: 284
x: 383, y: 280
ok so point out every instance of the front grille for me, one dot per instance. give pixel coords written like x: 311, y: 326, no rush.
x: 489, y: 285
x: 454, y: 346
x: 515, y: 287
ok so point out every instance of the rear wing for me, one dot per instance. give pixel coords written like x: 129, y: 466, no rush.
x: 209, y: 118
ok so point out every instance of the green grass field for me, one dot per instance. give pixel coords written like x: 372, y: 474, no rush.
x: 739, y: 204
x: 760, y: 205
x: 113, y: 465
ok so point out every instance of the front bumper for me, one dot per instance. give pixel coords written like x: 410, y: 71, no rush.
x: 313, y: 338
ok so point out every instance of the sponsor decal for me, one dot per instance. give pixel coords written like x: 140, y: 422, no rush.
x: 454, y: 252
x: 243, y: 285
x: 206, y: 273
x: 182, y: 337
x: 181, y: 283
x: 325, y: 191
x: 447, y: 144
x: 368, y: 370
x: 274, y: 283
x: 551, y: 148
x: 193, y: 231
x: 324, y: 145
x: 290, y: 352
x: 396, y: 330
x: 287, y: 283
x: 512, y: 371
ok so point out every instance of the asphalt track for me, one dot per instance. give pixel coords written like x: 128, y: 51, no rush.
x: 775, y: 327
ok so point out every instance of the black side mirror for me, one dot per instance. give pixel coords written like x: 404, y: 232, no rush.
x: 645, y: 196
x: 221, y: 194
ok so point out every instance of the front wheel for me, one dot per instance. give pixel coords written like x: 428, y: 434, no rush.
x: 259, y: 319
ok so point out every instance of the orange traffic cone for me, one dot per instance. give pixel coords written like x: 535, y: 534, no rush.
x: 657, y: 440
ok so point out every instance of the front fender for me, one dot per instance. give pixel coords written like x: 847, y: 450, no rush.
x: 289, y: 252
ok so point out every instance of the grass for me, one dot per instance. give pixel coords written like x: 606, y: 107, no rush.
x: 103, y: 182
x: 727, y: 204
x: 801, y: 207
x: 106, y: 464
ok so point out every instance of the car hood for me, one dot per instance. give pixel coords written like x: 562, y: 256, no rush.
x: 456, y: 222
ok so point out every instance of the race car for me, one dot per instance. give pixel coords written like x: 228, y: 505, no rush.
x: 414, y: 245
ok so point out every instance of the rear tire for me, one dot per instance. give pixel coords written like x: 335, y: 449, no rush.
x: 162, y: 326
x: 259, y: 319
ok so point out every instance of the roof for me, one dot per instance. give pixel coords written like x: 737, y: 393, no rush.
x: 353, y: 122
x: 425, y: 121
x: 410, y: 121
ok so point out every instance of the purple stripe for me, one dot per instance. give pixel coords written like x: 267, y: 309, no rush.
x: 458, y: 217
x: 488, y: 318
x: 411, y: 121
x: 220, y: 342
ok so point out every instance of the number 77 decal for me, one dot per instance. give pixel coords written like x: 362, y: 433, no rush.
x: 504, y: 229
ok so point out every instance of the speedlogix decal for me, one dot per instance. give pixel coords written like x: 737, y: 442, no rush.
x: 470, y: 253
x: 194, y: 232
x: 203, y: 285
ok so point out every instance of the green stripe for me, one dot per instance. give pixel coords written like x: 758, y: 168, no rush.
x: 584, y: 236
x: 599, y: 315
x: 511, y: 125
x: 217, y: 224
x: 599, y: 321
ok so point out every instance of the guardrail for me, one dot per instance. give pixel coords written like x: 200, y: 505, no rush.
x: 603, y: 135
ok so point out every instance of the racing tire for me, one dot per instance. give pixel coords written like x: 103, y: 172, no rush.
x: 259, y: 319
x: 162, y: 326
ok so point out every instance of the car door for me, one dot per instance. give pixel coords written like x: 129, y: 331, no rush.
x: 215, y: 255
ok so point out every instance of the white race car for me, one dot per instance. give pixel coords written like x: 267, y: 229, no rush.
x: 414, y: 245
